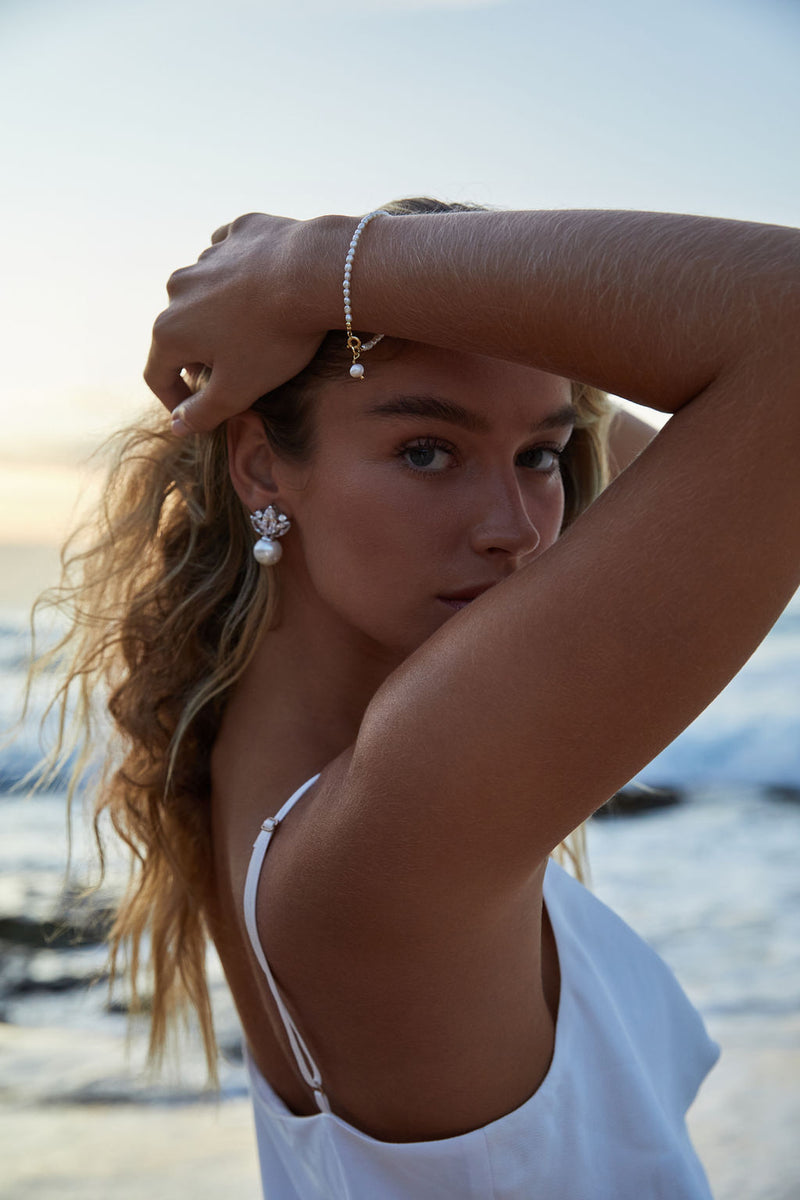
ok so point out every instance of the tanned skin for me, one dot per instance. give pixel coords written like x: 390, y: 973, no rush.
x: 403, y: 898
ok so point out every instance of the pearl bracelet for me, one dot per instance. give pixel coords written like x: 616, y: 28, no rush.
x: 355, y: 344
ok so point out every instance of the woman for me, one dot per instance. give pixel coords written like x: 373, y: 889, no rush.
x: 454, y: 674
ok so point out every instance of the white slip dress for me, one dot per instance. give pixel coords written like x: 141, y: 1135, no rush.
x: 606, y: 1123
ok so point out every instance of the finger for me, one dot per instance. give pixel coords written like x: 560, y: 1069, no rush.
x: 221, y: 398
x: 166, y: 383
x: 168, y: 361
x: 162, y: 372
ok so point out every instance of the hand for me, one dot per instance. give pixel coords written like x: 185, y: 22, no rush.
x: 246, y: 312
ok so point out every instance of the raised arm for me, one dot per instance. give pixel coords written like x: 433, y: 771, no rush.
x: 528, y: 709
x: 648, y: 306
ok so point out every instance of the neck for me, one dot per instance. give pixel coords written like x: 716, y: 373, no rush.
x: 304, y: 693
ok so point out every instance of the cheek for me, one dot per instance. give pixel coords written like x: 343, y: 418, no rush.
x: 554, y: 518
x: 544, y: 503
x: 368, y: 546
x: 371, y: 517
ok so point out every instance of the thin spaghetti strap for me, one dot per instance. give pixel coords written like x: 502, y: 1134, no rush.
x: 305, y: 1063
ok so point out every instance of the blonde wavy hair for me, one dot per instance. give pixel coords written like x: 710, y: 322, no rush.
x: 165, y: 607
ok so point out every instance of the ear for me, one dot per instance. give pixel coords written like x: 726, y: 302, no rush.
x: 251, y: 461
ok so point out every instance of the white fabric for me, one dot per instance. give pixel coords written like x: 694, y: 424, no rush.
x: 607, y: 1122
x: 305, y: 1063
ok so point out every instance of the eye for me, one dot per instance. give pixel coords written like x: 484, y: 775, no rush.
x: 546, y: 459
x: 427, y: 456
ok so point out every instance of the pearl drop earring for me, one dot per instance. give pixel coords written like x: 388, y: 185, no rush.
x: 270, y: 524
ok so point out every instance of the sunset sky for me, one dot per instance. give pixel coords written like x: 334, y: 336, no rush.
x: 132, y: 130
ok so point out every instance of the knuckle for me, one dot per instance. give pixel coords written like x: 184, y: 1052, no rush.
x: 154, y: 378
x: 235, y: 226
x: 176, y: 280
x: 162, y: 325
x: 243, y: 221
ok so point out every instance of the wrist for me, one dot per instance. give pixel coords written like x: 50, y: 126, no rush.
x: 318, y: 252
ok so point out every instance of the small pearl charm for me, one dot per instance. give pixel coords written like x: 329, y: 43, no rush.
x: 267, y: 552
x: 357, y: 371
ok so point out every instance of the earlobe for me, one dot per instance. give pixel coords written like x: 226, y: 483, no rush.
x: 251, y: 461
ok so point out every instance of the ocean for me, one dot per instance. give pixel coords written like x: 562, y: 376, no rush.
x: 711, y: 881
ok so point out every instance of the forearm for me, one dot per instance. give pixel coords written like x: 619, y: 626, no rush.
x: 651, y: 306
x: 654, y: 307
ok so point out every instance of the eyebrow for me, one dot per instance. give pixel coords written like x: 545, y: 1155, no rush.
x: 438, y: 408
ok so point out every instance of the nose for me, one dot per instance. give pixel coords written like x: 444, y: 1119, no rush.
x: 503, y: 522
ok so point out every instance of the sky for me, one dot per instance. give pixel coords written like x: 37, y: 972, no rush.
x: 132, y: 130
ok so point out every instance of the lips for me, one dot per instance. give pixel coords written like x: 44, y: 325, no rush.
x: 465, y: 595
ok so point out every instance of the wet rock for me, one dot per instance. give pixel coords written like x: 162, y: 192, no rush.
x: 14, y: 965
x: 636, y: 799
x: 231, y: 1049
x: 125, y: 1089
x: 123, y: 1007
x: 784, y: 793
x: 56, y: 971
x: 51, y: 939
x: 74, y: 920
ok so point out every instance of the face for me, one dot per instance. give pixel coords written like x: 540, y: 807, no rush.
x: 434, y: 478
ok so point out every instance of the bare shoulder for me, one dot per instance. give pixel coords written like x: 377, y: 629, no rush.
x: 426, y: 1020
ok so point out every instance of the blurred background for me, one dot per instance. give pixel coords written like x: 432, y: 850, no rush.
x: 130, y: 132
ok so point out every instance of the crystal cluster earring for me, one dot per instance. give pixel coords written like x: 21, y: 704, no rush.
x: 270, y: 525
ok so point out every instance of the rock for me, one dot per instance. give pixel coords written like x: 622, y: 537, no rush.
x: 231, y: 1049
x: 56, y: 971
x: 76, y: 919
x: 636, y: 799
x: 785, y: 793
x: 123, y: 1007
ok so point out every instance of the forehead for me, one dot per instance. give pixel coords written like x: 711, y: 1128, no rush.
x: 500, y: 395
